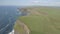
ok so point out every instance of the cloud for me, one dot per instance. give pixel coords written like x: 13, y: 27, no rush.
x: 35, y: 1
x: 56, y: 3
x: 46, y: 3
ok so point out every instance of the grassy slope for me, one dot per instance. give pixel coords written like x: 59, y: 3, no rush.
x: 18, y: 28
x: 41, y: 24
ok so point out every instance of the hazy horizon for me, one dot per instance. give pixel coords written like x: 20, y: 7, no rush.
x: 29, y: 2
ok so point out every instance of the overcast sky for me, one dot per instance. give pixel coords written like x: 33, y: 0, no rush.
x: 30, y: 2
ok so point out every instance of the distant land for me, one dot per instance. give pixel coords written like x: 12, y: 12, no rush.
x: 41, y: 20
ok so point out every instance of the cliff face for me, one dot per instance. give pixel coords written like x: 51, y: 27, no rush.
x: 24, y: 11
x: 37, y: 11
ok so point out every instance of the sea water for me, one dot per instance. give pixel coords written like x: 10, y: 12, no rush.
x: 8, y: 16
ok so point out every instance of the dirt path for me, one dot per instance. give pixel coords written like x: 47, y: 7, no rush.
x: 25, y: 28
x: 16, y: 32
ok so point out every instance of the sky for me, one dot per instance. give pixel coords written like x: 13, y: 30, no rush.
x: 30, y: 2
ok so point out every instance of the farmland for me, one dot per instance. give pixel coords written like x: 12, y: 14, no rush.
x: 42, y: 20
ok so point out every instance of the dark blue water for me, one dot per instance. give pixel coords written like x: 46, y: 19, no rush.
x: 8, y: 16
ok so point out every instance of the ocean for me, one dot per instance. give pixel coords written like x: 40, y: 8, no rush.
x: 8, y: 16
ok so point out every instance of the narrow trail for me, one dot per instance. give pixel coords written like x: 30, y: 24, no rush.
x: 16, y: 32
x: 25, y: 28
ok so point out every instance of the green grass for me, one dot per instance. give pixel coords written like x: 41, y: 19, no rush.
x: 43, y: 24
x: 18, y: 28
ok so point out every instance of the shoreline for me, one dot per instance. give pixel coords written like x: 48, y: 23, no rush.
x: 24, y: 27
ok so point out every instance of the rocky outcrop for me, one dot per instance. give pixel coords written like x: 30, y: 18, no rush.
x: 24, y: 11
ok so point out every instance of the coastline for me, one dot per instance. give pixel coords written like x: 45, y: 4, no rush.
x: 24, y: 27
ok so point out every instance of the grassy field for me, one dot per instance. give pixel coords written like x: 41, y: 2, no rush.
x: 18, y: 28
x: 43, y: 20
